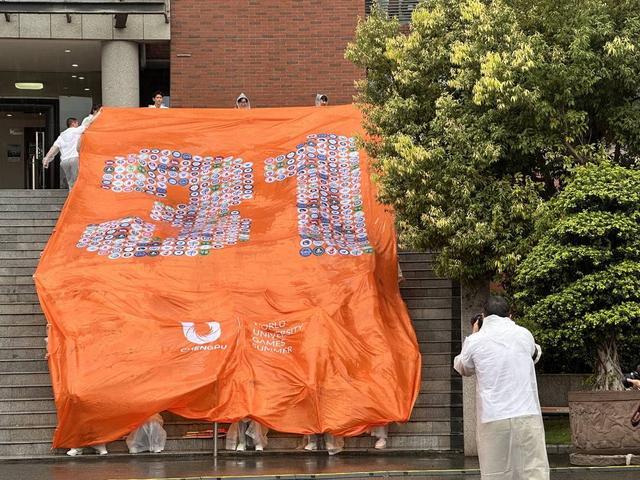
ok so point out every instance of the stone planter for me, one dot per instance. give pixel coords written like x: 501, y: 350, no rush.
x: 601, y: 422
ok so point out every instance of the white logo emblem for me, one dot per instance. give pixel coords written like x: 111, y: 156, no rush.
x: 189, y: 331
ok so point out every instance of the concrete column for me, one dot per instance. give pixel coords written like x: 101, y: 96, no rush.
x: 472, y: 299
x: 120, y: 74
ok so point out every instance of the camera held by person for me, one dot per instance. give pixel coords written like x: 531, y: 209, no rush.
x: 632, y: 379
x: 476, y: 322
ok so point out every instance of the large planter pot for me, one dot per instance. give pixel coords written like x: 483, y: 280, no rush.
x: 601, y: 422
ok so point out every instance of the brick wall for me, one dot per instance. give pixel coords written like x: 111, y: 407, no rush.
x: 278, y: 52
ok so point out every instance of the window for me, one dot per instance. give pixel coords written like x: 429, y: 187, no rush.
x: 396, y: 8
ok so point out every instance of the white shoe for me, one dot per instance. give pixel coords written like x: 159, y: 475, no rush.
x: 381, y: 444
x: 311, y: 446
x: 74, y: 452
x: 241, y: 447
x: 101, y: 449
x: 259, y: 448
x: 157, y: 450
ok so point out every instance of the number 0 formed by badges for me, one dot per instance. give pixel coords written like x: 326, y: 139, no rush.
x: 331, y: 219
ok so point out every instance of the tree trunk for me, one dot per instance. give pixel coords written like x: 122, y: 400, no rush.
x: 608, y: 372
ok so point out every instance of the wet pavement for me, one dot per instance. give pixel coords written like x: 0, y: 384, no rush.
x: 274, y: 466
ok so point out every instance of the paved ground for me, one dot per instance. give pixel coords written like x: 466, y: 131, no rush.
x: 451, y: 467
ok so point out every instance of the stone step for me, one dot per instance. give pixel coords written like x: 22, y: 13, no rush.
x: 26, y: 405
x: 18, y: 246
x: 438, y: 372
x: 9, y: 353
x: 24, y: 237
x: 413, y: 303
x: 19, y: 308
x: 18, y: 365
x: 29, y: 208
x: 23, y: 341
x: 26, y: 391
x: 4, y: 289
x: 426, y: 283
x: 6, y: 254
x: 16, y: 279
x: 30, y: 449
x: 35, y: 201
x: 416, y: 257
x: 437, y: 359
x: 12, y: 194
x: 431, y: 313
x: 7, y: 298
x: 20, y: 262
x: 433, y: 336
x: 25, y: 230
x: 426, y: 292
x: 16, y: 271
x: 23, y: 319
x: 30, y: 222
x: 419, y: 265
x: 423, y: 274
x: 435, y: 442
x: 32, y: 215
x: 24, y: 378
x: 44, y: 433
x: 444, y: 346
x: 432, y: 325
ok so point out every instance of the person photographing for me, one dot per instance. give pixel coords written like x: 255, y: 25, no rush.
x: 510, y: 433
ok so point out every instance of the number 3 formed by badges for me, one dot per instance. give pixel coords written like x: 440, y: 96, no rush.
x: 329, y: 200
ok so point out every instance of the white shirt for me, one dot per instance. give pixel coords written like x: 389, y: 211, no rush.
x: 67, y: 142
x: 161, y: 106
x: 500, y: 355
x: 87, y: 120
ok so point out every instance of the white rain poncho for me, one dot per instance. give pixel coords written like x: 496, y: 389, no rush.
x: 243, y: 104
x: 321, y: 100
x: 239, y: 431
x: 148, y: 437
x: 332, y: 443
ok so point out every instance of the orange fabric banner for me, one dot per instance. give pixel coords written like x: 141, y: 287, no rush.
x: 224, y: 264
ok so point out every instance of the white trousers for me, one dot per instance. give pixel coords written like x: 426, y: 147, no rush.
x: 70, y: 169
x: 513, y: 449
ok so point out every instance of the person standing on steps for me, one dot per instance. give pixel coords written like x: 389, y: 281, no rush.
x: 67, y: 144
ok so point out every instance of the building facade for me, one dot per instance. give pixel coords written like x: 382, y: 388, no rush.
x: 57, y: 58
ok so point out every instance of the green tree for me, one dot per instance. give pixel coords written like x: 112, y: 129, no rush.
x: 580, y: 284
x: 477, y: 114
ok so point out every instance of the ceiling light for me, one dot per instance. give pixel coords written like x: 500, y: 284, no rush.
x: 87, y: 89
x: 74, y: 64
x: 29, y: 85
x: 9, y: 114
x: 81, y: 78
x: 74, y: 76
x: 67, y: 51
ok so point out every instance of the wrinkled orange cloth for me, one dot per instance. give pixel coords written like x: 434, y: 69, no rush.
x: 221, y: 265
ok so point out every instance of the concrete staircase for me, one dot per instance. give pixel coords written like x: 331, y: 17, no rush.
x: 27, y: 412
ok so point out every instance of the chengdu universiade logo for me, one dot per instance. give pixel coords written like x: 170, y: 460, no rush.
x: 190, y: 333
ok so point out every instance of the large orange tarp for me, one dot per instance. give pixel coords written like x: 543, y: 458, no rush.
x: 223, y: 264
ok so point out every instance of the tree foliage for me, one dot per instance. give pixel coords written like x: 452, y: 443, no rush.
x: 580, y: 284
x: 477, y: 114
